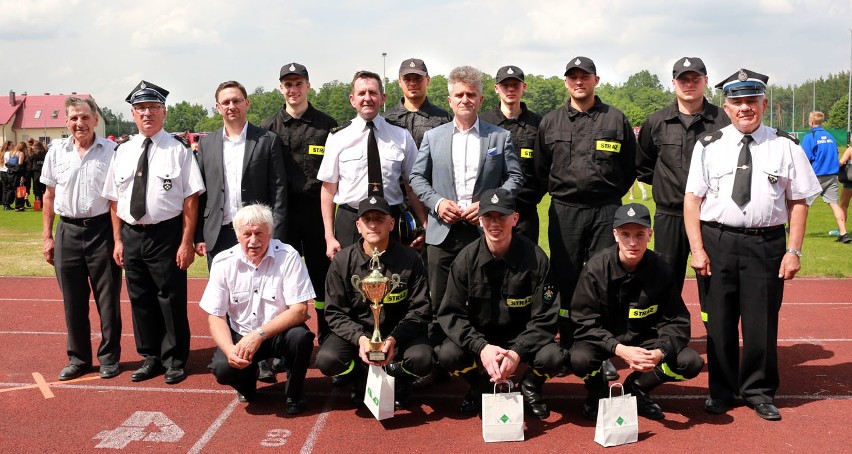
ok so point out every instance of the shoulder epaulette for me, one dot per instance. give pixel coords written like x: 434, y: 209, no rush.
x: 707, y: 139
x: 341, y: 127
x: 782, y: 133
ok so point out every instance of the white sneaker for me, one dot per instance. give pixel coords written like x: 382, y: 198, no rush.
x: 834, y: 232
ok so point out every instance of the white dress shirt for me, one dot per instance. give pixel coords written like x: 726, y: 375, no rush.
x: 466, y: 151
x: 78, y: 182
x: 233, y: 155
x: 252, y: 296
x: 780, y: 172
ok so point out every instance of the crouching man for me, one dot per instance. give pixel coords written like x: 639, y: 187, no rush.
x: 627, y: 304
x: 500, y: 309
x: 405, y: 312
x: 257, y: 298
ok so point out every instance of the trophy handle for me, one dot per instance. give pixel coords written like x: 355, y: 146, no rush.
x: 356, y: 282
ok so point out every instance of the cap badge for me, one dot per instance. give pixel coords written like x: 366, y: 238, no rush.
x: 373, y: 201
x: 292, y: 67
x: 412, y: 65
x: 686, y: 63
x: 577, y: 61
x: 494, y: 199
x: 708, y: 137
x: 742, y: 76
x: 631, y: 212
x: 143, y: 86
x: 509, y: 71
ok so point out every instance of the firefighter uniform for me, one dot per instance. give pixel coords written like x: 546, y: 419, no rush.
x: 419, y: 121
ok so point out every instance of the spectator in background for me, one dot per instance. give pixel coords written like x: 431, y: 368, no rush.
x: 19, y: 160
x: 7, y: 177
x: 821, y: 149
x: 846, y: 193
x: 36, y: 163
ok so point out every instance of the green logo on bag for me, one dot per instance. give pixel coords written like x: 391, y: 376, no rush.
x: 375, y: 399
x: 619, y: 421
x: 504, y: 418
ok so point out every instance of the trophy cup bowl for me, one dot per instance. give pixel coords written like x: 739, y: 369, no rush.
x: 374, y: 288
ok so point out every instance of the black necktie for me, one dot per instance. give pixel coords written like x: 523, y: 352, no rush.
x: 374, y: 164
x: 140, y: 183
x: 741, y: 193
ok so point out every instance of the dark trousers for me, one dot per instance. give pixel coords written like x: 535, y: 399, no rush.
x: 226, y: 239
x: 454, y: 359
x: 337, y: 356
x: 83, y: 261
x: 745, y: 288
x: 157, y: 289
x: 294, y: 344
x: 586, y: 358
x: 305, y: 234
x: 576, y: 233
x: 9, y: 184
x: 38, y: 186
x: 345, y: 231
x: 528, y: 224
x: 438, y: 261
x: 671, y: 242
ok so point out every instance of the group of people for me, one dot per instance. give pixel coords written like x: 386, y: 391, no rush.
x: 20, y: 167
x: 476, y: 295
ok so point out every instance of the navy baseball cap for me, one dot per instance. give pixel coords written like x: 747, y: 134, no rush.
x: 632, y: 213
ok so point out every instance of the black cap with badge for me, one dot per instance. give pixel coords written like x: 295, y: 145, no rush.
x: 584, y: 63
x: 499, y: 200
x: 632, y: 213
x: 147, y: 92
x: 509, y: 72
x: 744, y: 83
x: 373, y: 203
x: 687, y: 64
x: 293, y: 68
x: 413, y: 66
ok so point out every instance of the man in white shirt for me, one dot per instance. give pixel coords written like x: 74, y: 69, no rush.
x: 257, y: 297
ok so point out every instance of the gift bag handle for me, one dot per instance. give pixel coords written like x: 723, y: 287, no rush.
x: 508, y: 384
x: 613, y: 386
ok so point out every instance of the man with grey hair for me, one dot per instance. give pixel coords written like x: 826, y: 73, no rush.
x: 74, y: 172
x: 456, y: 163
x: 270, y: 321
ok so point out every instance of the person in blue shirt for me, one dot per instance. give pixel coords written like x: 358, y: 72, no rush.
x: 821, y: 149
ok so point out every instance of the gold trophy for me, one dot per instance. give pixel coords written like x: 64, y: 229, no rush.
x: 374, y: 288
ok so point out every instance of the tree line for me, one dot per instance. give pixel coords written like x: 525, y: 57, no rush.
x: 638, y: 97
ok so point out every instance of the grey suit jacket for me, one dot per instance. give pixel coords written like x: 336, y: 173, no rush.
x: 264, y: 181
x: 432, y: 176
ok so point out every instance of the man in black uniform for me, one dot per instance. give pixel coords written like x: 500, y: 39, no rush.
x: 514, y: 116
x: 404, y: 316
x: 666, y: 141
x: 303, y: 129
x: 414, y: 112
x: 627, y: 304
x: 586, y: 153
x: 499, y: 309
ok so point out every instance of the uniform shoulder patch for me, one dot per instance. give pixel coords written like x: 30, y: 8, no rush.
x: 549, y: 292
x: 782, y: 133
x: 707, y: 139
x: 341, y: 127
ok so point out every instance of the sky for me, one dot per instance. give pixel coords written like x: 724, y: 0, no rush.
x: 105, y: 48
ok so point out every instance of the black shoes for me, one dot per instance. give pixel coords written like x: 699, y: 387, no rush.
x: 150, y: 369
x: 644, y: 405
x: 610, y: 372
x: 175, y: 375
x: 716, y: 406
x: 845, y: 239
x: 471, y: 403
x: 339, y: 381
x: 73, y: 371
x: 296, y: 405
x: 265, y: 373
x: 245, y: 398
x: 109, y: 370
x: 590, y: 409
x: 531, y: 392
x: 767, y: 411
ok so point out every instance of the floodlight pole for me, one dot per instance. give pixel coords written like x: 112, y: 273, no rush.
x: 849, y: 93
x: 384, y: 74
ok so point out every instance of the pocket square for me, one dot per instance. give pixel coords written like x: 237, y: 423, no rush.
x: 493, y: 152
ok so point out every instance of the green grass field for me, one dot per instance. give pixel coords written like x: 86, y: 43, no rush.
x: 20, y: 237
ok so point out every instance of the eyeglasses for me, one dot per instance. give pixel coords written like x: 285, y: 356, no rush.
x: 228, y: 102
x: 152, y: 109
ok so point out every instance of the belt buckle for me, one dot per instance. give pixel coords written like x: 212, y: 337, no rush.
x: 86, y: 222
x: 751, y: 231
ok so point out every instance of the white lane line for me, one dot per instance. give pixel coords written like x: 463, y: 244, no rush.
x: 94, y: 335
x: 308, y: 447
x: 211, y: 431
x: 128, y: 388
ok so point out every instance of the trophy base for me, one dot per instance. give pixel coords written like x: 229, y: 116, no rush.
x: 376, y: 357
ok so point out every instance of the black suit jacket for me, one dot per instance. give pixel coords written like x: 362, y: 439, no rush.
x: 264, y: 181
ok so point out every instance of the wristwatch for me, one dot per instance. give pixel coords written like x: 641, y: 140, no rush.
x: 797, y: 252
x: 261, y: 333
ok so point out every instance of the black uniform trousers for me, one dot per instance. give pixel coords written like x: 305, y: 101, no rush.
x: 305, y: 234
x: 438, y: 261
x: 337, y: 356
x: 83, y: 261
x: 294, y: 344
x: 586, y: 358
x: 671, y: 242
x: 226, y: 239
x: 744, y: 287
x: 157, y: 290
x: 345, y: 231
x: 528, y: 224
x: 575, y: 233
x: 456, y: 360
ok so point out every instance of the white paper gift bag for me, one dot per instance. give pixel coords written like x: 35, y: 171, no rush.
x: 618, y: 422
x: 502, y: 415
x: 378, y: 396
